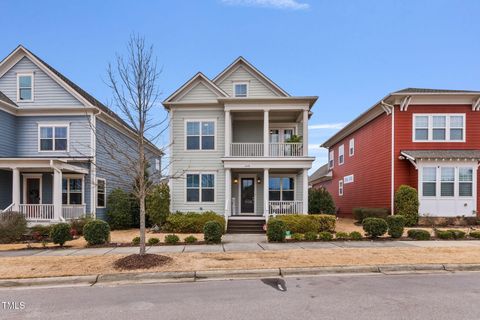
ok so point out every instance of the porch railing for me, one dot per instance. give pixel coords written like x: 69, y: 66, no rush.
x: 286, y: 149
x: 247, y: 149
x: 285, y: 207
x: 73, y: 211
x: 254, y: 149
x: 7, y: 209
x: 37, y: 212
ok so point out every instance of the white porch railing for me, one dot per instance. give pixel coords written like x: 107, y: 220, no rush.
x: 7, y: 209
x: 73, y: 211
x: 246, y: 149
x: 37, y: 212
x: 286, y: 149
x: 285, y: 207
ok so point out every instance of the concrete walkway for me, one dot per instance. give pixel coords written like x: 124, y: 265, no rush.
x: 243, y: 242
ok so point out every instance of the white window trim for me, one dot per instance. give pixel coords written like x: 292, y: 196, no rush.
x: 32, y: 176
x: 246, y: 83
x: 200, y: 173
x: 281, y: 188
x: 351, y: 147
x: 447, y: 127
x: 105, y: 192
x: 214, y: 138
x: 74, y: 176
x: 158, y: 166
x: 340, y: 187
x: 349, y: 179
x: 53, y: 125
x: 341, y: 152
x: 331, y: 159
x: 31, y: 74
x: 254, y: 177
x: 438, y: 182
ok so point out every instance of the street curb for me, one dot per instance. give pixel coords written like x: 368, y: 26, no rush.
x: 57, y: 281
x: 147, y: 277
x: 462, y: 267
x: 236, y: 274
x: 328, y: 270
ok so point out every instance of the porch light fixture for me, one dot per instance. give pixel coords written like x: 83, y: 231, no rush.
x: 235, y: 180
x: 259, y: 180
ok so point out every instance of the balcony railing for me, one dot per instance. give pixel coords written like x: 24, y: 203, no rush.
x: 285, y: 207
x: 73, y: 211
x: 254, y: 149
x: 37, y: 212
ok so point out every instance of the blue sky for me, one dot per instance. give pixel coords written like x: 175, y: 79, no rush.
x: 349, y: 53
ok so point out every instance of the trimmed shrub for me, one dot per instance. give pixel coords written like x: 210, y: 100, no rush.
x: 311, y: 236
x: 325, y: 236
x: 60, y: 233
x: 418, y: 234
x: 78, y: 224
x: 41, y: 231
x: 341, y: 235
x: 396, y: 225
x: 190, y: 240
x: 360, y: 214
x: 406, y: 204
x: 96, y: 232
x: 355, y: 235
x: 475, y: 234
x: 444, y: 234
x: 212, y: 232
x: 136, y: 241
x: 12, y: 227
x: 276, y: 230
x: 302, y: 223
x: 320, y: 201
x: 297, y: 236
x: 191, y: 222
x: 457, y: 234
x: 158, y: 204
x: 153, y: 241
x: 172, y: 239
x: 120, y: 210
x: 374, y: 227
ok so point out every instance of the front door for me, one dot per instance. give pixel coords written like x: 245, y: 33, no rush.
x: 33, y: 191
x: 247, y: 192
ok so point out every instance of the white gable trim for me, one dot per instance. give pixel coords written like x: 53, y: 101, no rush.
x: 192, y: 83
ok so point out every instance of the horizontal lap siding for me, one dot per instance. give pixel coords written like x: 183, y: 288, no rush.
x: 202, y: 161
x: 255, y: 87
x: 199, y: 93
x: 247, y: 131
x: 8, y: 140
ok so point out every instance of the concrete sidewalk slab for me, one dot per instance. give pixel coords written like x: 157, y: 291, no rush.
x: 21, y: 253
x: 204, y: 248
x: 371, y: 244
x: 280, y: 246
x: 244, y: 238
x: 92, y: 252
x: 123, y: 250
x: 242, y: 247
x: 443, y: 243
x: 57, y: 252
x: 316, y: 245
x: 165, y: 249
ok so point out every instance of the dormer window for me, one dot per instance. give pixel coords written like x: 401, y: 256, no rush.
x: 241, y: 90
x: 25, y: 87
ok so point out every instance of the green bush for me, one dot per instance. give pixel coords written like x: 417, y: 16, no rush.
x: 457, y: 234
x: 136, y: 241
x: 96, y: 232
x: 302, y: 223
x: 212, y: 232
x: 190, y: 239
x: 355, y: 235
x: 444, y: 234
x: 120, y: 210
x: 406, y: 204
x: 311, y: 236
x: 171, y: 239
x: 475, y: 234
x: 297, y: 236
x: 396, y: 225
x: 276, y: 230
x: 325, y: 236
x: 78, y: 224
x: 360, y: 214
x: 12, y: 227
x: 153, y: 241
x: 374, y: 227
x: 320, y: 201
x: 41, y: 230
x: 418, y: 234
x: 158, y: 204
x: 341, y: 235
x: 191, y: 222
x: 60, y: 233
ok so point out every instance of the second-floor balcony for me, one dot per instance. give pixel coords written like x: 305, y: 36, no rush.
x: 256, y: 149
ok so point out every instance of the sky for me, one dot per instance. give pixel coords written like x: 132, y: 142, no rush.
x: 348, y: 53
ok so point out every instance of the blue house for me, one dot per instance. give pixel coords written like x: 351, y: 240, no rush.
x: 61, y: 150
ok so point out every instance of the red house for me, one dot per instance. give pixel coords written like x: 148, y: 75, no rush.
x: 428, y: 139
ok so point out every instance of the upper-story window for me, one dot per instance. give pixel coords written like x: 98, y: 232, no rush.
x: 200, y: 135
x: 341, y: 155
x: 438, y: 127
x: 331, y: 159
x: 25, y: 87
x: 241, y: 90
x: 351, y: 147
x: 53, y: 137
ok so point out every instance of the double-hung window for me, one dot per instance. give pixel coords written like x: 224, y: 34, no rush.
x: 351, y: 147
x: 25, y: 87
x: 447, y: 186
x: 439, y: 127
x: 447, y: 181
x: 429, y: 181
x: 200, y: 135
x: 341, y: 154
x: 241, y: 90
x: 281, y: 188
x: 200, y: 187
x: 72, y: 190
x: 465, y: 182
x: 340, y: 187
x: 53, y: 137
x: 331, y: 159
x: 101, y: 192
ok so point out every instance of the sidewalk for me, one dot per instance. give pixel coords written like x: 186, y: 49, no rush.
x: 243, y: 243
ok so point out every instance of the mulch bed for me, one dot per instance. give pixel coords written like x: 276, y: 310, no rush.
x: 137, y: 261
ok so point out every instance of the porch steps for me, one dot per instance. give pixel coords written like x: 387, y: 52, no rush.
x: 245, y: 226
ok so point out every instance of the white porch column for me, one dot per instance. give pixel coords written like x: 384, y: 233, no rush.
x: 228, y: 133
x: 305, y: 132
x: 57, y: 194
x: 266, y: 135
x: 228, y: 192
x: 16, y: 189
x: 305, y: 191
x: 266, y: 192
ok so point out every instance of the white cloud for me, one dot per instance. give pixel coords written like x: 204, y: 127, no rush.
x: 335, y: 126
x: 277, y: 4
x: 314, y: 147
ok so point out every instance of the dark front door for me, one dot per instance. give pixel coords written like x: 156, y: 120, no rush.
x: 33, y: 191
x: 247, y: 203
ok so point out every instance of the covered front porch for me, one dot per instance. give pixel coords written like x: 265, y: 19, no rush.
x: 43, y: 190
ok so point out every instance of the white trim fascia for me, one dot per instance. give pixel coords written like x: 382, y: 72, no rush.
x: 247, y: 175
x: 9, y: 108
x: 247, y: 163
x: 185, y: 86
x: 171, y: 154
x: 263, y: 106
x: 38, y: 176
x: 32, y: 75
x: 215, y: 187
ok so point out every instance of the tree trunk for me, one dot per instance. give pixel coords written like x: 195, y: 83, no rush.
x: 142, y: 224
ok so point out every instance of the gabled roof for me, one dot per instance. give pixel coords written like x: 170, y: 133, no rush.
x: 426, y: 90
x: 190, y: 84
x: 322, y: 174
x: 441, y: 154
x: 241, y: 61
